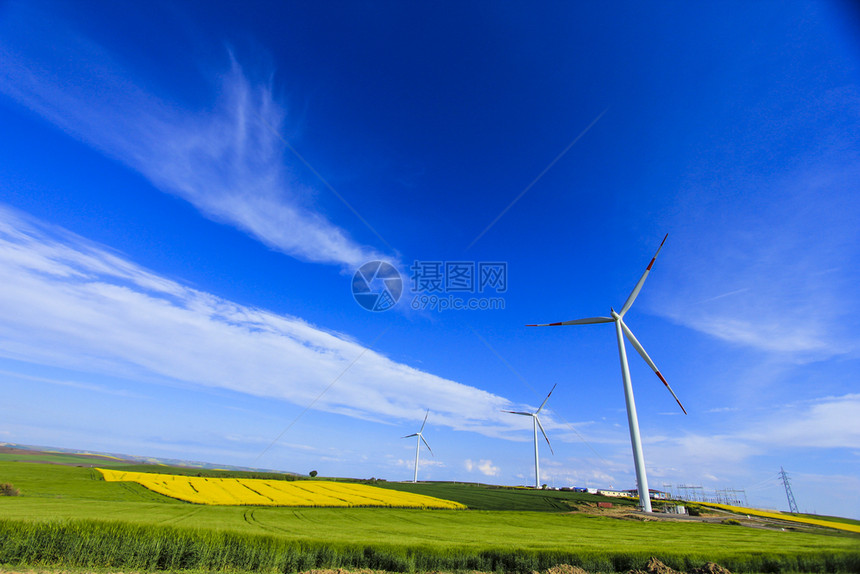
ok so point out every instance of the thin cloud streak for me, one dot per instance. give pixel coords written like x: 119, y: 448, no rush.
x: 73, y: 304
x: 729, y: 294
x: 538, y: 178
x: 785, y: 290
x: 227, y: 161
x: 72, y: 384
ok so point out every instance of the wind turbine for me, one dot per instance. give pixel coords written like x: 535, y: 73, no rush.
x: 418, y: 441
x: 621, y: 331
x: 536, y: 424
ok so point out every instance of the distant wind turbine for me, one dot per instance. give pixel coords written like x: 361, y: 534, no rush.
x: 621, y: 330
x: 418, y: 441
x: 536, y: 424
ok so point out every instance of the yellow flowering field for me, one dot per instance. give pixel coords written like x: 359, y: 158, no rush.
x: 781, y: 516
x: 259, y: 492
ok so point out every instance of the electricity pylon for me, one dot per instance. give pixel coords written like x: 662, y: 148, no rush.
x: 792, y: 505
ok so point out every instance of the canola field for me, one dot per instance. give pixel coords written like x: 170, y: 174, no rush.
x: 259, y: 492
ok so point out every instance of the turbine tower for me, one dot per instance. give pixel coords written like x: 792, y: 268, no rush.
x: 418, y: 441
x: 536, y: 424
x: 621, y: 331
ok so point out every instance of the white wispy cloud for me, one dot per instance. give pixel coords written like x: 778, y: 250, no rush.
x: 823, y: 423
x: 485, y: 467
x: 586, y: 472
x: 70, y: 303
x: 828, y: 422
x: 768, y: 264
x: 422, y: 463
x: 706, y: 453
x: 228, y: 161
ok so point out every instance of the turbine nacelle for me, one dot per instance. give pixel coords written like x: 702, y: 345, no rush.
x: 617, y: 317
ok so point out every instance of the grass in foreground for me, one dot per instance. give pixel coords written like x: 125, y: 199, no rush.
x: 138, y: 547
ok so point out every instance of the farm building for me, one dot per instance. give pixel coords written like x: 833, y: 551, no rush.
x: 614, y: 493
x: 653, y: 494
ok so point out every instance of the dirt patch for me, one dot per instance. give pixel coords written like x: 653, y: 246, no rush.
x: 564, y: 569
x: 13, y: 450
x: 627, y: 512
x: 711, y: 568
x: 654, y: 566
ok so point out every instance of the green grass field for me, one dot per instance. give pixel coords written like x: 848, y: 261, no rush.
x: 67, y: 516
x: 61, y: 458
x: 482, y: 497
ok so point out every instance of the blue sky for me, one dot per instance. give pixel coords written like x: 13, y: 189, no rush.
x: 187, y: 189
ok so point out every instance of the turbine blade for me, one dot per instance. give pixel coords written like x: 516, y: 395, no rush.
x: 544, y: 434
x: 588, y: 321
x: 641, y: 282
x: 671, y: 391
x: 410, y: 435
x: 427, y: 445
x: 635, y: 342
x: 518, y: 413
x: 425, y: 420
x: 630, y: 337
x: 546, y: 399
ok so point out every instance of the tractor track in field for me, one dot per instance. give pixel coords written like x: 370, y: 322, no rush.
x: 303, y: 516
x: 182, y: 517
x: 250, y: 517
x: 407, y: 519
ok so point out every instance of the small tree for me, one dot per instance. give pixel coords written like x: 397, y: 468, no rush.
x: 312, y: 473
x: 7, y: 489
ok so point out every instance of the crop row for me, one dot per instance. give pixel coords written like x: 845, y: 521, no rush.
x: 125, y: 546
x: 259, y: 492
